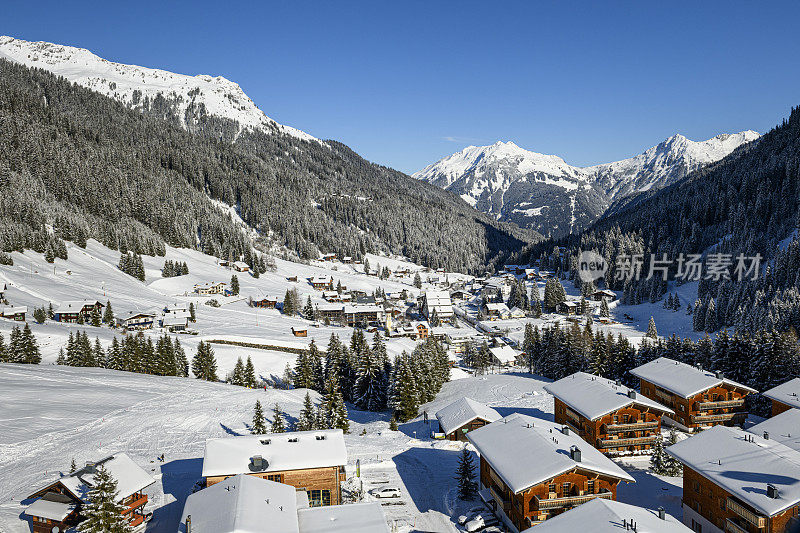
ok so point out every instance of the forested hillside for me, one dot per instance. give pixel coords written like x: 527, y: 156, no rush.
x: 75, y: 164
x: 747, y: 203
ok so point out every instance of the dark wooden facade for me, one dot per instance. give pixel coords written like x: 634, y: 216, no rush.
x: 323, y: 485
x: 779, y: 407
x: 728, y: 513
x: 634, y: 428
x: 548, y: 499
x: 460, y: 433
x: 266, y: 303
x: 720, y: 405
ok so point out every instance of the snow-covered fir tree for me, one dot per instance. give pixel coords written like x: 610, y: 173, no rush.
x: 103, y: 513
x: 259, y: 426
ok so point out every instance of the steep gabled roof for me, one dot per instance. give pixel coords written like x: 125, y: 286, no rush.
x: 680, y: 378
x: 609, y: 516
x: 525, y: 451
x: 593, y: 396
x: 787, y: 393
x: 463, y: 411
x: 784, y: 428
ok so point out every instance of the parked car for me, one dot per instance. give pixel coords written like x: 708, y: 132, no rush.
x: 386, y: 492
x: 469, y: 515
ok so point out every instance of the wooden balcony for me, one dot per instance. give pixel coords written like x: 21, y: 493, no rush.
x: 754, y: 518
x: 638, y: 441
x: 502, y: 502
x: 136, y: 520
x: 134, y: 503
x: 733, y: 527
x: 724, y: 417
x: 722, y: 404
x: 633, y: 426
x: 571, y: 501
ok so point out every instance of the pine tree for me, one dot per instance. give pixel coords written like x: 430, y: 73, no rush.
x: 103, y: 514
x: 234, y: 285
x: 465, y: 474
x: 404, y: 394
x: 604, y: 311
x: 308, y: 310
x: 204, y: 364
x: 287, y: 379
x: 250, y: 374
x: 369, y: 387
x: 181, y: 363
x: 259, y: 423
x: 192, y: 317
x: 95, y: 319
x: 711, y: 324
x: 108, y: 314
x: 334, y: 411
x: 72, y: 466
x: 652, y: 332
x: 658, y: 457
x: 672, y: 466
x: 306, y: 420
x: 393, y: 424
x: 237, y: 376
x: 278, y: 423
x: 554, y: 294
x: 40, y: 315
x: 417, y: 281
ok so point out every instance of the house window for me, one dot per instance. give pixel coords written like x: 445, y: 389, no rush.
x: 565, y: 488
x: 705, y: 396
x: 616, y: 419
x: 317, y: 498
x: 624, y: 419
x: 722, y: 503
x: 552, y: 488
x: 696, y: 486
x: 590, y: 486
x: 680, y: 406
x: 278, y: 478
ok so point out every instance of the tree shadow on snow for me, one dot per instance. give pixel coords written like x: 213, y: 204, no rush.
x: 530, y: 411
x: 230, y: 431
x: 366, y: 417
x: 178, y: 478
x: 427, y: 474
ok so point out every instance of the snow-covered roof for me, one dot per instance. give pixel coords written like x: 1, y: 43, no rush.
x: 438, y: 301
x: 242, y: 504
x: 743, y: 464
x: 130, y: 477
x: 569, y: 304
x: 787, y: 393
x: 463, y: 411
x: 13, y: 310
x: 75, y: 306
x: 362, y: 308
x: 321, y: 279
x: 330, y: 307
x: 784, y: 428
x: 525, y: 451
x: 607, y: 516
x: 240, y: 264
x: 605, y: 292
x: 280, y: 451
x: 680, y: 378
x: 353, y: 518
x: 496, y: 306
x: 52, y: 507
x: 172, y: 320
x: 594, y: 396
x: 505, y: 354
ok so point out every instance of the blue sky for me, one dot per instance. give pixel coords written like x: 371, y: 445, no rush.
x: 406, y: 83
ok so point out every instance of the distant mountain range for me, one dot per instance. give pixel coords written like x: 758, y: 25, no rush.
x: 545, y: 193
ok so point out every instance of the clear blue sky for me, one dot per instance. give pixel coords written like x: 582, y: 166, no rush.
x: 406, y: 83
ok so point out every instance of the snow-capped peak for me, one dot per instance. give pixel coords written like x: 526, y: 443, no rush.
x: 131, y: 84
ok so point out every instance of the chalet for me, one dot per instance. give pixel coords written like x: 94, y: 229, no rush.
x: 785, y: 396
x: 174, y: 323
x: 516, y: 312
x: 347, y: 259
x: 241, y: 266
x: 138, y: 321
x: 496, y: 311
x: 362, y: 315
x: 422, y: 330
x: 735, y: 481
x: 531, y: 274
x: 331, y: 296
x: 464, y: 415
x: 609, y: 516
x: 438, y: 333
x: 270, y: 302
x: 567, y: 308
x: 532, y: 469
x: 58, y: 505
x: 72, y: 311
x: 460, y: 295
x: 328, y: 257
x: 292, y: 279
x: 458, y: 339
x: 14, y: 312
x: 250, y: 504
x: 206, y: 289
x: 223, y: 262
x: 497, y: 287
x: 312, y: 461
x: 600, y: 295
x: 504, y: 355
x: 333, y: 313
x: 698, y: 398
x: 438, y: 304
x: 609, y: 416
x: 321, y: 283
x: 299, y: 332
x: 784, y: 428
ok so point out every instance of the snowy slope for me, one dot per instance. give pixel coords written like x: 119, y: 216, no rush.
x: 131, y: 84
x: 546, y: 193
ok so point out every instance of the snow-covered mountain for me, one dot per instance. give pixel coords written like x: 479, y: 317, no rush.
x: 186, y: 96
x: 545, y: 193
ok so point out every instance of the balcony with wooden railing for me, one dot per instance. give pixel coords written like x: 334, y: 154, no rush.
x: 733, y: 527
x: 136, y: 520
x: 633, y: 426
x: 571, y: 501
x: 721, y: 404
x: 137, y: 500
x: 499, y: 498
x: 638, y: 441
x: 723, y: 417
x: 737, y: 508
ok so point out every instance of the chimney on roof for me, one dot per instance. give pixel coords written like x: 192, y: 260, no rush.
x: 632, y: 394
x: 565, y: 430
x: 719, y: 374
x: 258, y: 463
x: 618, y: 383
x: 575, y: 454
x: 662, y: 514
x: 188, y: 523
x: 766, y: 435
x: 772, y: 491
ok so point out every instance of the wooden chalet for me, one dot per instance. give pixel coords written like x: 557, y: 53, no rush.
x: 504, y: 355
x: 266, y: 303
x: 332, y: 313
x: 496, y: 311
x: 533, y: 469
x: 422, y: 330
x: 312, y: 461
x: 207, y: 289
x: 331, y: 296
x: 16, y: 313
x: 604, y: 294
x: 73, y: 311
x: 138, y: 321
x: 784, y: 397
x: 299, y: 332
x: 567, y: 308
x: 362, y: 315
x: 58, y: 505
x: 609, y: 416
x: 784, y: 428
x: 241, y: 266
x: 328, y: 257
x: 321, y: 283
x: 609, y: 516
x: 737, y: 482
x: 462, y: 416
x: 292, y: 279
x: 697, y: 397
